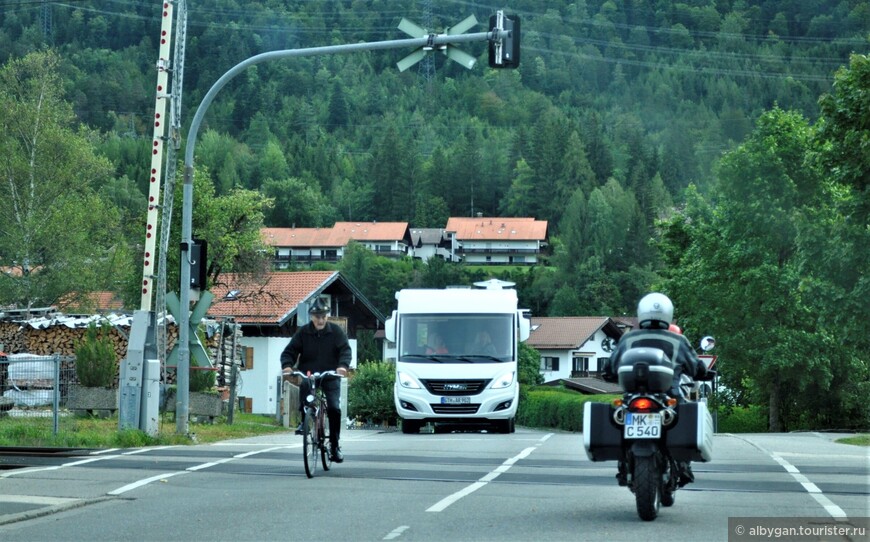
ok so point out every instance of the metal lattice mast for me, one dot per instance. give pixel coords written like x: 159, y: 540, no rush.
x: 169, y: 180
x: 427, y: 65
x: 140, y: 370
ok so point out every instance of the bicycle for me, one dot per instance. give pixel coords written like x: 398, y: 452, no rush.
x: 315, y: 427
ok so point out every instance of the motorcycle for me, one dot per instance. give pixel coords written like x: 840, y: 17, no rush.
x: 651, y: 434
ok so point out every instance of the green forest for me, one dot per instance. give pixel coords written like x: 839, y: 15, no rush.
x: 718, y: 151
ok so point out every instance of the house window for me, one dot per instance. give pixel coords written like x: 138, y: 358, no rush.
x: 601, y: 362
x: 580, y: 364
x: 549, y: 363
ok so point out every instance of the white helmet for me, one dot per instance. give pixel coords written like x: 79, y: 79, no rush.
x: 655, y: 308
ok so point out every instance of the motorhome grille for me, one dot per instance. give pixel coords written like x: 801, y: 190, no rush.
x: 467, y: 408
x: 455, y: 387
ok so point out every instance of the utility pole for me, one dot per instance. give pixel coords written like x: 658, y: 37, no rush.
x: 445, y: 42
x: 141, y: 369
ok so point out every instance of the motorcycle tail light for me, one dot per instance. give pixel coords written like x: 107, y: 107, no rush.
x: 641, y: 404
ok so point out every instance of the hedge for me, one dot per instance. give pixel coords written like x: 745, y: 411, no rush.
x: 559, y: 408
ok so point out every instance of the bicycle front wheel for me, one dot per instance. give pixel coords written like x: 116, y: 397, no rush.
x: 309, y: 444
x: 323, y: 435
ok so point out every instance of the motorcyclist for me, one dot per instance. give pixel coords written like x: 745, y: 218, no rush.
x: 655, y: 313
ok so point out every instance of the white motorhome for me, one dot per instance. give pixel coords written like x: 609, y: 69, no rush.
x: 463, y: 377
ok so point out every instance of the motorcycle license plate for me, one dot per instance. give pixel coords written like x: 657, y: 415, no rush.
x: 640, y: 426
x: 455, y: 400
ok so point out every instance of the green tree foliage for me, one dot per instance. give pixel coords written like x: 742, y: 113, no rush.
x: 617, y: 111
x: 529, y: 366
x: 736, y: 272
x: 56, y: 234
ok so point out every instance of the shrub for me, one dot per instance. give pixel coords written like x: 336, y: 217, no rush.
x: 554, y: 407
x: 734, y: 419
x: 202, y: 379
x: 370, y: 393
x: 95, y: 358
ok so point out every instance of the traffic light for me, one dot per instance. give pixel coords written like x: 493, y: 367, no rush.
x: 198, y: 264
x: 505, y: 52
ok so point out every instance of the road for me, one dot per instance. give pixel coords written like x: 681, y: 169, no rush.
x: 531, y: 485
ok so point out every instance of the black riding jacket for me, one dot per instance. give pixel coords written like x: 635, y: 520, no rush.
x: 675, y: 346
x: 317, y: 351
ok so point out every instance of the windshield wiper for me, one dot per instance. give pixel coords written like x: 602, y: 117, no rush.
x: 436, y: 358
x: 474, y: 357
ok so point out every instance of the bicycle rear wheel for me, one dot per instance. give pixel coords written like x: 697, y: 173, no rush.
x: 323, y: 436
x: 309, y: 444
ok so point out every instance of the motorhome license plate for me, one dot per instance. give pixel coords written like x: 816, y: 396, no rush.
x: 455, y: 400
x: 638, y: 426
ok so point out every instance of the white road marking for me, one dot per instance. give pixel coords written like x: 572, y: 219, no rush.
x: 145, y: 481
x: 489, y: 477
x: 395, y: 533
x: 832, y: 509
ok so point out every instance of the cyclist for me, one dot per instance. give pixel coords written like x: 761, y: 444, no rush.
x: 320, y: 346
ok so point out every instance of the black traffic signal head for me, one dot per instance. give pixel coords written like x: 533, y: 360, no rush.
x: 505, y: 52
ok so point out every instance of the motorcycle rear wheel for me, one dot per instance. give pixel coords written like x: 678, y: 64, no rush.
x: 647, y: 487
x: 669, y: 486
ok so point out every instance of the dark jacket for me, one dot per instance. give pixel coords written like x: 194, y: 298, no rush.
x: 317, y: 351
x: 675, y: 346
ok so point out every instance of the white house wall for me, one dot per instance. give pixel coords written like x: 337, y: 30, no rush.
x: 592, y: 346
x: 261, y: 382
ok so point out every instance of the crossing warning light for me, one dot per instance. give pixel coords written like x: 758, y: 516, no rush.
x: 504, y: 52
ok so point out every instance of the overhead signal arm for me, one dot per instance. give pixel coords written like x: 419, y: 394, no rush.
x: 504, y: 41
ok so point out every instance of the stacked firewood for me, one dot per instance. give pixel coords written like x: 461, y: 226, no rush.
x: 20, y: 338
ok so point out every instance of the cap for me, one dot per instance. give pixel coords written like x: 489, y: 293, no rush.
x: 319, y: 306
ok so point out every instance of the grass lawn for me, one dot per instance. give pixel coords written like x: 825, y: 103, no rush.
x: 862, y: 439
x: 104, y: 432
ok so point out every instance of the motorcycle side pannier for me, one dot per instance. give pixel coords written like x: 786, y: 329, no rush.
x: 645, y: 369
x: 602, y: 438
x: 691, y: 438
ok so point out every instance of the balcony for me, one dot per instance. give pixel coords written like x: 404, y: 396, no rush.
x: 507, y: 251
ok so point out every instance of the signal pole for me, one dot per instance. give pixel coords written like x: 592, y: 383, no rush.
x: 445, y: 42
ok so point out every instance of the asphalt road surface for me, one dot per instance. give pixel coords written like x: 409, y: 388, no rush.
x: 531, y: 485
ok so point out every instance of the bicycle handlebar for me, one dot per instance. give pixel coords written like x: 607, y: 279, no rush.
x: 316, y: 376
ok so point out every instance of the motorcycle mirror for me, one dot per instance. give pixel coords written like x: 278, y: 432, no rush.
x: 707, y: 343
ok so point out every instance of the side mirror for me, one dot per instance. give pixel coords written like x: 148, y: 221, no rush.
x: 525, y: 326
x: 707, y: 343
x: 390, y: 328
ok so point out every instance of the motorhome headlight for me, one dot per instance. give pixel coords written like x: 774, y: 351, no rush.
x: 504, y: 381
x: 407, y: 381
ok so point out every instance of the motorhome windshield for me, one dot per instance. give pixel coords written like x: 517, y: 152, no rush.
x: 456, y: 338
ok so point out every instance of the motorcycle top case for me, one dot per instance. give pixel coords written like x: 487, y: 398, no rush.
x: 645, y: 369
x: 691, y: 437
x: 602, y: 438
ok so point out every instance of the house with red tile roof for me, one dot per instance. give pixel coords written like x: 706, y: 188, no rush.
x: 312, y: 245
x: 497, y: 240
x: 101, y: 301
x: 573, y: 350
x: 270, y: 308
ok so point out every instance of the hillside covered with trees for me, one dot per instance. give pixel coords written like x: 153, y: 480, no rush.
x: 716, y: 150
